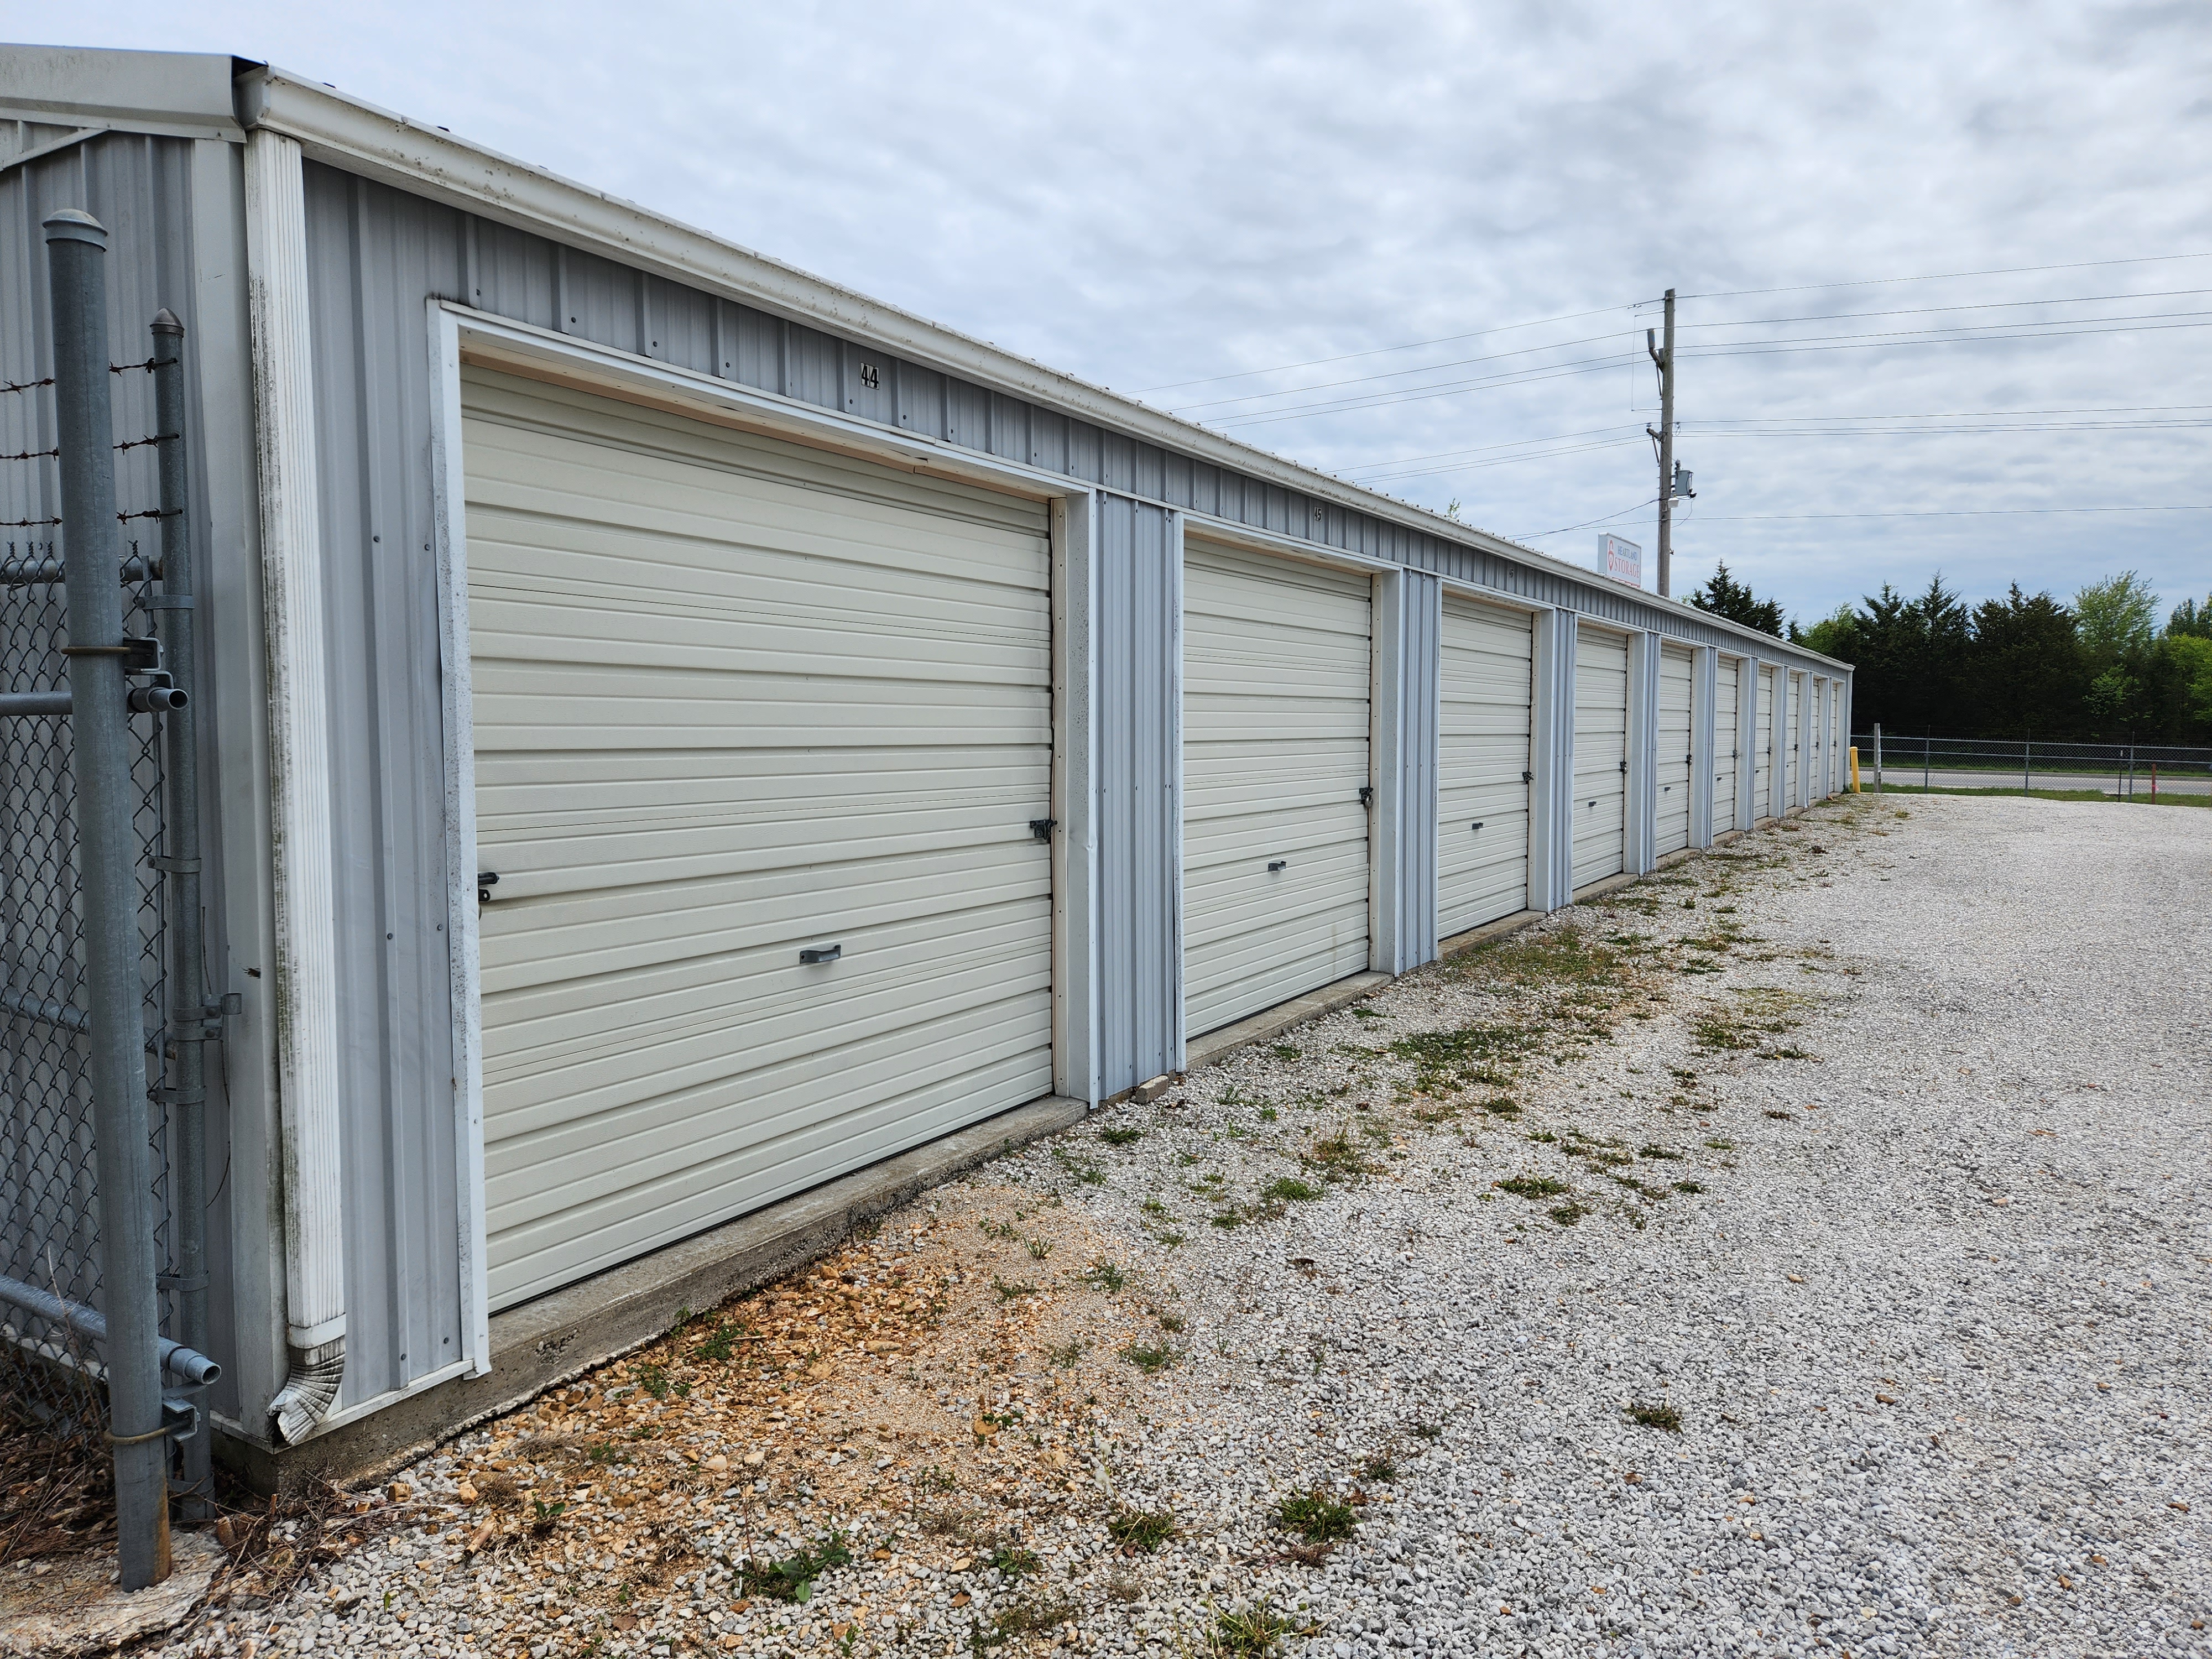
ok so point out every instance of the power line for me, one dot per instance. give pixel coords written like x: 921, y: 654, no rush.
x: 1901, y: 340
x: 1502, y: 460
x: 2080, y: 325
x: 2056, y: 326
x: 1949, y: 415
x: 1485, y: 449
x: 1939, y: 277
x: 1425, y: 369
x: 1979, y: 305
x: 1939, y: 513
x: 1696, y: 425
x: 1380, y: 351
x: 1588, y: 524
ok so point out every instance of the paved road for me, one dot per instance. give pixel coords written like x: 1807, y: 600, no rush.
x: 1897, y: 774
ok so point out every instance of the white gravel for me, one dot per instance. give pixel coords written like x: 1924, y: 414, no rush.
x: 1930, y: 1298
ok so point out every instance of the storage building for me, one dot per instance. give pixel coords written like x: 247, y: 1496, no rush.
x: 678, y: 732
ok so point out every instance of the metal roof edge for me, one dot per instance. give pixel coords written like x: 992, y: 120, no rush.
x: 187, y: 93
x: 333, y: 127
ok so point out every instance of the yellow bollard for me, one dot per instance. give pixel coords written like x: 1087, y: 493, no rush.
x: 1855, y: 769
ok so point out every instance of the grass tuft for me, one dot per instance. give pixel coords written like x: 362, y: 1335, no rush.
x: 1315, y: 1516
x: 1141, y: 1531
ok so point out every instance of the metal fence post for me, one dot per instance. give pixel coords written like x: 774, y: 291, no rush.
x: 76, y: 250
x: 188, y: 1013
x: 1877, y: 757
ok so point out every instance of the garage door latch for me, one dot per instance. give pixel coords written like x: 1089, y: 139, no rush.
x: 1042, y: 828
x: 1278, y: 864
x: 1367, y: 795
x: 486, y: 880
x: 814, y: 953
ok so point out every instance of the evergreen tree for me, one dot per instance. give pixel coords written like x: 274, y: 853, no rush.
x: 2192, y: 620
x: 2025, y: 667
x: 1724, y: 596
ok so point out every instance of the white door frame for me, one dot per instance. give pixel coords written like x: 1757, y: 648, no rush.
x: 457, y: 331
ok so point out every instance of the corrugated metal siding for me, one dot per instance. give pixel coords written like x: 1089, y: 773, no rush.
x: 1417, y: 881
x: 1276, y: 717
x: 376, y: 254
x: 1138, y: 624
x: 1486, y: 688
x: 1602, y: 664
x: 1672, y: 782
x: 139, y: 187
x: 372, y: 253
x: 1817, y: 764
x: 735, y: 697
x: 1793, y: 741
x: 1727, y: 744
x: 529, y: 279
x: 1762, y: 789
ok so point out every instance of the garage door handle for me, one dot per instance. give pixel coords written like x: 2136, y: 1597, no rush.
x: 1042, y: 828
x: 1478, y: 823
x: 1278, y: 864
x: 821, y: 953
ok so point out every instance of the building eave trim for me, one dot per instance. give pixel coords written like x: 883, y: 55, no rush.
x: 394, y: 149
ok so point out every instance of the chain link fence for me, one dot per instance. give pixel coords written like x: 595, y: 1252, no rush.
x: 92, y: 1435
x: 2122, y: 770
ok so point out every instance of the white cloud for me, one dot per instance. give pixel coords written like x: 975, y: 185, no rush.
x: 1145, y: 192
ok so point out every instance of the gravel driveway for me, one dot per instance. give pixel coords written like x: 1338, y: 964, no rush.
x: 1805, y: 1250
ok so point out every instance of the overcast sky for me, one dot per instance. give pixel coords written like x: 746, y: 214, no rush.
x: 1150, y: 195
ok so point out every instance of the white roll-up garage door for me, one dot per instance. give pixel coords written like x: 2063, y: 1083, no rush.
x: 1762, y: 783
x: 1600, y: 754
x: 1816, y: 780
x: 1728, y: 744
x: 1838, y: 777
x: 735, y: 699
x: 1794, y: 690
x: 1672, y: 790
x: 1275, y: 754
x: 1485, y: 680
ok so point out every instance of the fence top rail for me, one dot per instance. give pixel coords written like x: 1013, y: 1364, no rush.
x: 2013, y: 750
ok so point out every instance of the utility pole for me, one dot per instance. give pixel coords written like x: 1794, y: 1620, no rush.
x: 1663, y: 357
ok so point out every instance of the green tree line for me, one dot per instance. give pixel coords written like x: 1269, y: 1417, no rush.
x: 2099, y: 669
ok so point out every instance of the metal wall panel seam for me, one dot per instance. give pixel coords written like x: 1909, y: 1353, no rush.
x: 1704, y: 730
x: 1386, y: 771
x: 1552, y: 759
x: 1642, y: 803
x: 1074, y: 783
x: 449, y: 516
x: 1746, y: 740
x: 1422, y: 698
x: 1171, y: 761
x: 291, y: 566
x: 219, y: 354
x: 1802, y: 684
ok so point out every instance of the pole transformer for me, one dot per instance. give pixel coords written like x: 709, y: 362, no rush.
x: 1663, y: 357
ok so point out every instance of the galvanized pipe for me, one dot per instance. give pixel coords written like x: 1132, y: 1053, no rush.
x: 29, y: 704
x: 185, y: 1051
x: 178, y: 1360
x: 77, y: 254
